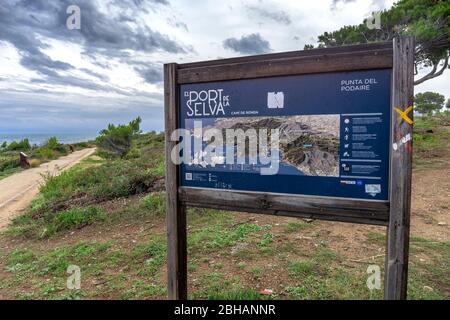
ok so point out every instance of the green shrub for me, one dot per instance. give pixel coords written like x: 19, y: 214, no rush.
x: 45, y: 153
x: 160, y: 169
x: 76, y: 217
x: 299, y: 269
x: 156, y: 202
x: 53, y: 145
x: 68, y: 220
x: 23, y: 145
x: 117, y: 140
x: 9, y: 163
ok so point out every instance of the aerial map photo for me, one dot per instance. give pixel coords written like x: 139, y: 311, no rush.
x: 309, y: 145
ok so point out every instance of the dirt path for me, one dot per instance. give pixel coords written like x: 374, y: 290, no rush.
x: 17, y: 191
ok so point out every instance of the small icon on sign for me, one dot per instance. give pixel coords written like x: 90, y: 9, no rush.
x: 188, y: 176
x: 346, y: 167
x: 346, y: 154
x: 373, y: 189
x: 346, y: 129
x: 346, y: 145
x: 347, y: 121
x: 346, y: 137
x: 275, y: 100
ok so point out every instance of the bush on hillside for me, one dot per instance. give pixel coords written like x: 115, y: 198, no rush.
x: 53, y: 144
x: 116, y: 140
x: 23, y: 145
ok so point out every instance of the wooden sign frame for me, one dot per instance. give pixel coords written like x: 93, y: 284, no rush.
x: 395, y: 214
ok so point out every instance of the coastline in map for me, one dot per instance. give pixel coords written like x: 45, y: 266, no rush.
x: 308, y: 143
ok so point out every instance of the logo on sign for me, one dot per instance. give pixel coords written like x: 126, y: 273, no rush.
x: 206, y: 102
x: 373, y: 189
x: 275, y: 100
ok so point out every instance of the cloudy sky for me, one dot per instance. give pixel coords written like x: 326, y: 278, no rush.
x: 56, y: 79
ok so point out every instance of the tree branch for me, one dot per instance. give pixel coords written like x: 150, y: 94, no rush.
x: 433, y: 74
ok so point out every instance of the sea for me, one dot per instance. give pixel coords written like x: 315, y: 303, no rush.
x: 41, y: 138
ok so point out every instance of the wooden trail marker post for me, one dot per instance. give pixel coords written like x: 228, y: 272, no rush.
x: 368, y: 188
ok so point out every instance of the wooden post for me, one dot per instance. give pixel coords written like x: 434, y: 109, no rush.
x: 24, y: 163
x: 175, y: 212
x: 396, y: 272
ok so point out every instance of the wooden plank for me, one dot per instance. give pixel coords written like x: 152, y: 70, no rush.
x: 396, y: 272
x: 302, y: 64
x: 290, y: 54
x: 175, y: 213
x: 326, y: 208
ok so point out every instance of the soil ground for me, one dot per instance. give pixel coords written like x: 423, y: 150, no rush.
x: 235, y: 255
x: 18, y: 190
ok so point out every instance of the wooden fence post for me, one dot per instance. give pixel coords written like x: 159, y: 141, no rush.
x: 175, y: 212
x: 396, y: 271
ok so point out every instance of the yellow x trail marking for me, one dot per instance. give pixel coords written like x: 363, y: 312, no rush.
x: 404, y: 114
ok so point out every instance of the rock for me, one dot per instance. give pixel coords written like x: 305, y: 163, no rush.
x: 427, y: 288
x: 442, y: 223
x: 308, y: 220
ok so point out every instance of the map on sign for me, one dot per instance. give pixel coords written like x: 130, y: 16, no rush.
x: 321, y: 134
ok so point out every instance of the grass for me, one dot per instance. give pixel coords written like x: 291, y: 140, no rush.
x: 230, y: 257
x: 73, y: 199
x: 211, y: 238
x: 156, y: 202
x: 431, y: 138
x: 299, y: 269
x: 295, y: 226
x: 96, y: 260
x: 153, y: 254
x: 50, y: 150
x: 136, y: 271
x: 236, y: 294
x: 52, y: 223
x: 376, y: 238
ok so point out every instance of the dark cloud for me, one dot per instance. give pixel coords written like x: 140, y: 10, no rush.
x: 164, y: 2
x: 60, y: 80
x: 174, y: 22
x: 279, y: 16
x: 151, y: 74
x: 94, y: 74
x: 24, y: 23
x: 248, y: 44
x: 140, y: 3
x: 43, y: 64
